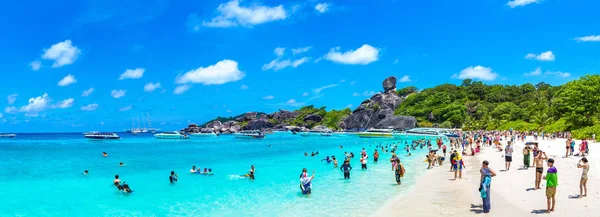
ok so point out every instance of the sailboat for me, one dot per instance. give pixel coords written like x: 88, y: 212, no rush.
x: 139, y: 129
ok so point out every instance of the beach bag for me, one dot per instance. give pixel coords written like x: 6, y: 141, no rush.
x: 402, y: 171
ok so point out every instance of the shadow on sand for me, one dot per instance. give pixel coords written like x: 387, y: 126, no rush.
x: 539, y: 211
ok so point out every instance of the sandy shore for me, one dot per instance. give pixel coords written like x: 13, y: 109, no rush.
x: 512, y: 192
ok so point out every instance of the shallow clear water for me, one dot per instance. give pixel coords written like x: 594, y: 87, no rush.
x: 41, y: 175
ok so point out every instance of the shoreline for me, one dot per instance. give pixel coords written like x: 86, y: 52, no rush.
x: 435, y: 193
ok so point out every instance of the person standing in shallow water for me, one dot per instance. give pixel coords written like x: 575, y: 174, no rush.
x: 346, y: 168
x: 486, y: 181
x: 173, y: 177
x: 399, y: 172
x: 251, y: 172
x: 375, y: 156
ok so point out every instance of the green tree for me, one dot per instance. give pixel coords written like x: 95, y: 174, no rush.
x: 580, y: 100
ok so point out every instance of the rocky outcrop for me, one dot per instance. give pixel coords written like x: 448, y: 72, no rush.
x: 258, y: 124
x: 378, y: 111
x: 313, y: 117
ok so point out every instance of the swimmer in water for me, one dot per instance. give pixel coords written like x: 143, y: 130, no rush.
x: 327, y: 159
x: 117, y: 182
x: 193, y: 170
x: 104, y: 154
x: 85, y: 172
x: 173, y: 177
x: 126, y: 188
x: 335, y: 163
x: 251, y: 172
x: 210, y: 173
x: 121, y: 164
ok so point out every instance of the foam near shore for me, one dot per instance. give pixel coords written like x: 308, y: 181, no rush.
x: 512, y: 191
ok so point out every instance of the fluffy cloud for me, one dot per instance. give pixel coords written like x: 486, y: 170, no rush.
x: 405, y: 78
x: 181, y: 89
x: 10, y: 110
x: 279, y: 51
x: 132, y: 74
x: 12, y: 98
x: 477, y: 72
x: 126, y: 108
x: 588, y: 38
x: 300, y: 50
x: 544, y: 56
x: 87, y: 92
x: 292, y: 102
x: 366, y: 93
x: 537, y: 71
x: 222, y: 72
x: 35, y: 65
x: 244, y: 87
x: 559, y: 74
x: 90, y: 107
x: 67, y: 103
x: 319, y: 89
x: 517, y: 3
x: 232, y: 14
x: 67, y: 80
x: 150, y: 87
x: 322, y: 7
x: 36, y: 105
x: 305, y: 94
x: 361, y: 56
x: 118, y: 93
x: 63, y: 53
x: 269, y: 97
x: 278, y: 64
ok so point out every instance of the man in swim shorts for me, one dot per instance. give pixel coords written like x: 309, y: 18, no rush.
x: 538, y: 163
x: 551, y: 183
x: 508, y: 155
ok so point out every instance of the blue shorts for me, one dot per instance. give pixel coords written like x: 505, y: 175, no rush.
x: 458, y: 165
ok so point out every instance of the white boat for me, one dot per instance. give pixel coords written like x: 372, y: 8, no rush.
x: 422, y: 133
x: 250, y: 134
x: 98, y: 135
x: 210, y: 134
x: 89, y: 133
x: 376, y: 133
x: 7, y: 135
x: 170, y: 135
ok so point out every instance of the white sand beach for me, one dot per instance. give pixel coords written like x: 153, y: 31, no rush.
x: 512, y: 192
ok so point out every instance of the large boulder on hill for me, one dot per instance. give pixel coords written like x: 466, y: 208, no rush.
x: 258, y: 125
x: 313, y: 117
x: 235, y: 129
x: 250, y: 116
x: 378, y: 111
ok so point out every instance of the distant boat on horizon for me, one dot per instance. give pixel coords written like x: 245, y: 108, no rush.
x: 140, y: 129
x: 376, y: 133
x: 171, y: 135
x: 211, y: 134
x: 250, y: 134
x: 7, y: 135
x: 99, y: 135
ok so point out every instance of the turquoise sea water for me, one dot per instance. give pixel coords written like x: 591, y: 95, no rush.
x: 41, y: 175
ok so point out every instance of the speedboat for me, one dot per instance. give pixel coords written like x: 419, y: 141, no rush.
x: 250, y: 134
x: 99, y: 135
x: 7, y: 135
x: 210, y: 134
x: 171, y: 135
x: 376, y: 133
x: 90, y: 133
x: 421, y: 133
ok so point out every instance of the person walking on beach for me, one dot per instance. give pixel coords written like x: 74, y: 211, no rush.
x: 452, y: 155
x: 551, y: 183
x: 346, y: 169
x: 458, y: 165
x: 508, y: 155
x: 399, y: 172
x: 584, y: 165
x: 538, y: 163
x: 568, y: 147
x: 486, y: 181
x: 526, y: 156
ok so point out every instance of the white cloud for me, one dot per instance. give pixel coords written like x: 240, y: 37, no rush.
x: 292, y: 102
x: 125, y: 108
x: 63, y: 53
x: 181, y: 89
x: 132, y: 74
x: 349, y: 106
x: 232, y: 14
x: 269, y: 97
x: 35, y: 65
x: 477, y: 72
x: 90, y: 107
x: 322, y: 7
x: 228, y: 111
x: 278, y: 64
x: 279, y: 51
x: 544, y: 56
x: 395, y: 61
x: 10, y: 110
x: 559, y: 74
x: 118, y: 93
x: 222, y: 72
x: 537, y: 71
x: 517, y: 3
x: 244, y: 87
x: 366, y: 93
x: 87, y: 92
x: 305, y: 94
x: 36, y: 105
x: 405, y: 78
x: 12, y: 98
x: 67, y: 103
x: 67, y: 80
x: 300, y: 50
x: 361, y: 56
x: 353, y: 82
x: 588, y: 38
x: 102, y: 123
x: 150, y: 87
x: 319, y: 89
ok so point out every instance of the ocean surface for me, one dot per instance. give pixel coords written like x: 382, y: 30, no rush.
x: 41, y: 175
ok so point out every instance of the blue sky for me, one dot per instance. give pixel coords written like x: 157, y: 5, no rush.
x: 93, y: 65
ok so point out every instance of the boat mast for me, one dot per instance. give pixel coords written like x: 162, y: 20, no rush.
x: 138, y: 119
x: 143, y: 120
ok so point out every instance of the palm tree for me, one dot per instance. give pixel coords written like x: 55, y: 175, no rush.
x: 543, y: 119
